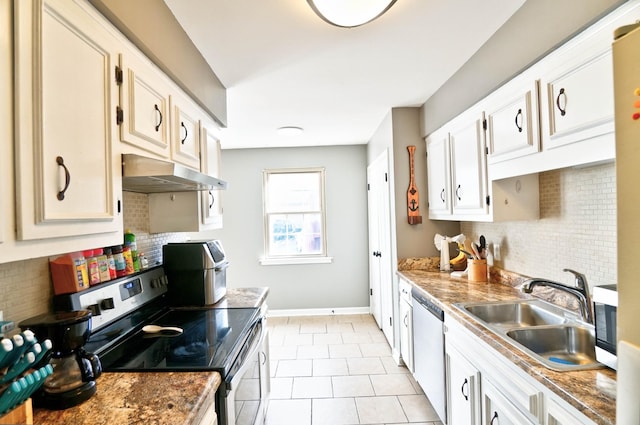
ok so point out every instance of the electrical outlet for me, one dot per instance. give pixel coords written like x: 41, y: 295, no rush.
x: 496, y: 252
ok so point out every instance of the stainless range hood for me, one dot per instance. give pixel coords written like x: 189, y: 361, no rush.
x: 148, y: 175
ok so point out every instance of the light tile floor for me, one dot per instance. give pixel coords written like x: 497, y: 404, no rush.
x: 338, y: 370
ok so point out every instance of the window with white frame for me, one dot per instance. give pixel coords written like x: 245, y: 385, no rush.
x: 294, y: 215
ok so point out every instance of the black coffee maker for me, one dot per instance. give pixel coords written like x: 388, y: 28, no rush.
x: 74, y: 369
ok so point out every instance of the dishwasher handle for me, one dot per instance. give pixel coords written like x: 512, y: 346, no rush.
x: 429, y: 305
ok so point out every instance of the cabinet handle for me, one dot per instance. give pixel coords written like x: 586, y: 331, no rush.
x: 159, y: 115
x: 495, y: 416
x: 562, y: 110
x: 263, y: 356
x: 67, y: 178
x: 519, y: 120
x: 465, y: 384
x: 458, y: 194
x: 186, y: 132
x: 442, y: 196
x: 406, y: 320
x: 212, y: 199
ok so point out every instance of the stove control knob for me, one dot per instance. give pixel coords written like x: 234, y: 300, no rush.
x: 155, y: 283
x: 107, y: 304
x: 94, y: 309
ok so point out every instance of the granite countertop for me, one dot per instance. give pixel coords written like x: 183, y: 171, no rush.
x: 592, y: 392
x: 243, y: 298
x: 164, y: 398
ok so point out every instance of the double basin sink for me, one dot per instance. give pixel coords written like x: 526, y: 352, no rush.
x: 555, y: 337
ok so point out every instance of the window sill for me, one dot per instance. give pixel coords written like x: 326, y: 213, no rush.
x: 288, y: 261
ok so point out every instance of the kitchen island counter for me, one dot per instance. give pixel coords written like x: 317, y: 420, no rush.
x: 592, y: 392
x: 166, y: 398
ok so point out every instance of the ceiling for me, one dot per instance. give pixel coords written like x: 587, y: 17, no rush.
x: 284, y: 66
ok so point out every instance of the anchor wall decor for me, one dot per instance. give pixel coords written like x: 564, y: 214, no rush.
x: 413, y: 200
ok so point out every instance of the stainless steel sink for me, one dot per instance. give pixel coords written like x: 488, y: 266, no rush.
x: 510, y: 314
x: 554, y: 336
x: 559, y: 347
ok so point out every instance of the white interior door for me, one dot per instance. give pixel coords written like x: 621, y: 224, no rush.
x: 381, y: 270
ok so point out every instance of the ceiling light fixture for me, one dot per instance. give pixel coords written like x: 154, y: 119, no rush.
x: 350, y: 13
x: 289, y: 131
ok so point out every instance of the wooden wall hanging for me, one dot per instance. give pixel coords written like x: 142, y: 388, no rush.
x: 413, y: 200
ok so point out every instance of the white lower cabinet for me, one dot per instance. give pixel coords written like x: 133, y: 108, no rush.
x: 484, y: 388
x: 498, y: 410
x: 406, y: 324
x: 463, y: 394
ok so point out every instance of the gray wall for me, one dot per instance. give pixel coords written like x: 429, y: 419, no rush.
x: 343, y: 283
x: 151, y: 26
x: 534, y: 30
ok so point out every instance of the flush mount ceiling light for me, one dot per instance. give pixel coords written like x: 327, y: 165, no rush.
x: 350, y: 13
x: 289, y: 131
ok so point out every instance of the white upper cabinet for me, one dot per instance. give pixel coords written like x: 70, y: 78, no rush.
x: 468, y: 165
x: 577, y: 94
x: 512, y: 120
x: 458, y: 185
x: 211, y: 200
x: 456, y: 169
x: 67, y: 179
x: 144, y: 111
x: 439, y: 174
x: 575, y: 101
x: 185, y: 131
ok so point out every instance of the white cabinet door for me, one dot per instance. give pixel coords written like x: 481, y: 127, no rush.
x: 498, y: 410
x: 185, y: 131
x: 512, y: 121
x: 211, y: 164
x: 469, y: 165
x: 463, y: 387
x: 439, y: 174
x: 406, y: 332
x: 577, y: 100
x: 145, y: 105
x: 67, y: 179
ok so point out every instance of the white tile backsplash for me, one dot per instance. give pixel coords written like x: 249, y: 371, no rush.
x: 576, y: 230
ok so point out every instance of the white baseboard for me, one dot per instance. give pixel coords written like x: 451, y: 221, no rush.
x: 318, y: 311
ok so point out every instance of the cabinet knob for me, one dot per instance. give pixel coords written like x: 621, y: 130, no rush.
x: 465, y: 384
x: 186, y: 133
x: 67, y: 178
x: 562, y: 109
x: 159, y: 117
x: 518, y: 120
x: 494, y: 418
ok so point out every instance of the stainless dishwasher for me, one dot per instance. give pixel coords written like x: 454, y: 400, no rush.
x: 428, y: 349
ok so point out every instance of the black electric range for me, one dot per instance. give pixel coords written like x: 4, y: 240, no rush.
x: 225, y: 340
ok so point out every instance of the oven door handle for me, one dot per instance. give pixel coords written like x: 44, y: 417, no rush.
x: 246, y: 354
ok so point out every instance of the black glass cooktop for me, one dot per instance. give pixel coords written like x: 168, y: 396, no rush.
x: 211, y: 340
